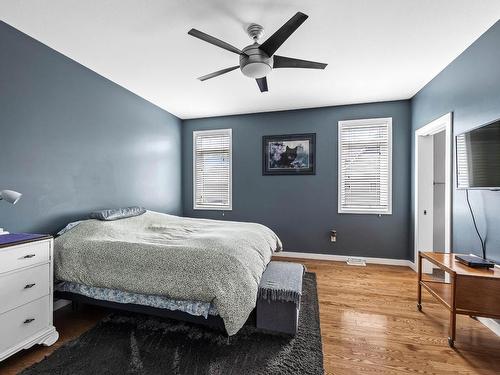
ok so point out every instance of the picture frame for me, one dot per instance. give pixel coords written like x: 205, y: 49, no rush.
x: 289, y: 154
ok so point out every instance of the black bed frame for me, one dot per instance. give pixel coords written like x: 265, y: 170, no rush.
x: 214, y: 322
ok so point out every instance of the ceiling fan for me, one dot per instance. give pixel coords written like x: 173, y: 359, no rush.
x: 257, y: 60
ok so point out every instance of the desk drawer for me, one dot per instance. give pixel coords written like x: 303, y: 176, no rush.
x: 478, y: 295
x: 19, y: 324
x: 23, y: 286
x: 15, y: 257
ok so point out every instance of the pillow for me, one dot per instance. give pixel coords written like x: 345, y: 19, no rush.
x: 117, y: 213
x: 68, y: 227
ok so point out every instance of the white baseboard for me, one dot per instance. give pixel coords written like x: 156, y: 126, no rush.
x: 492, y: 324
x: 60, y: 303
x: 343, y: 258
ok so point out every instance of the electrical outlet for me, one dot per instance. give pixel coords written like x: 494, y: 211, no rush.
x: 333, y: 235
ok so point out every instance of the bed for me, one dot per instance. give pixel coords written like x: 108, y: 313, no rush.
x: 191, y: 269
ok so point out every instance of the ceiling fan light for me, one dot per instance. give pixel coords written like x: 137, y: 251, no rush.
x: 256, y: 69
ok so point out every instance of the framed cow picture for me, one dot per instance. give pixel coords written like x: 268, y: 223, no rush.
x: 289, y: 154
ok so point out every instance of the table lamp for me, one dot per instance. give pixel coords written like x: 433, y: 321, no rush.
x: 10, y: 196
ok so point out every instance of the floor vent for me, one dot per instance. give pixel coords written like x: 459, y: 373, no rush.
x: 356, y: 262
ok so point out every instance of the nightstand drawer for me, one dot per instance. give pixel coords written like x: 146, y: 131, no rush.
x: 24, y: 286
x: 24, y: 255
x: 24, y: 322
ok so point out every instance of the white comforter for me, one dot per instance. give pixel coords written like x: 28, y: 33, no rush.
x: 182, y: 258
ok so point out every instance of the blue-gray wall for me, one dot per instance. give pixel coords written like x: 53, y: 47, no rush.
x: 72, y: 141
x: 302, y: 209
x: 470, y: 88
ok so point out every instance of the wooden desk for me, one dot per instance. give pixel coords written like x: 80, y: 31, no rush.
x: 471, y: 291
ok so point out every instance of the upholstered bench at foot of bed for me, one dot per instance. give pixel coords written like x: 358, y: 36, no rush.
x: 278, y: 299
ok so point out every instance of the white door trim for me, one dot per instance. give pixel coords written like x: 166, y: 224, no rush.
x: 444, y: 123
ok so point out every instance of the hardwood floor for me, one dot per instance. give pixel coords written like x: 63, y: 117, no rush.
x: 369, y: 324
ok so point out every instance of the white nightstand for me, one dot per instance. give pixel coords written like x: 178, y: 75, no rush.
x: 26, y: 301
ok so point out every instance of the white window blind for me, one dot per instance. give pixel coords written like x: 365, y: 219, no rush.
x: 212, y: 159
x: 462, y: 162
x: 365, y: 166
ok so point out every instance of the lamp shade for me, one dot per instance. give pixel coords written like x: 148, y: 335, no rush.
x: 10, y: 196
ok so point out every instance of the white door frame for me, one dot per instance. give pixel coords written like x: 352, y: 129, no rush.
x: 444, y: 123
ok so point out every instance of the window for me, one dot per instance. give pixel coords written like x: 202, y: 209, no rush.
x: 365, y: 166
x: 212, y: 158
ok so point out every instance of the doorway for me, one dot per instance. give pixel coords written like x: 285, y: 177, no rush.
x: 433, y: 187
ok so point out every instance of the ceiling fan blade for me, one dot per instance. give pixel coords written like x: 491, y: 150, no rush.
x: 274, y: 42
x: 218, y: 73
x: 262, y: 82
x: 290, y: 62
x: 216, y: 42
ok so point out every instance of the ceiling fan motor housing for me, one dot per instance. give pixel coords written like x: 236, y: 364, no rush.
x: 255, y: 63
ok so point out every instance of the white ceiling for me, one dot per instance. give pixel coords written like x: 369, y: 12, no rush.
x: 376, y: 49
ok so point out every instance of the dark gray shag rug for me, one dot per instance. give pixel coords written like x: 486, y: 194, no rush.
x: 126, y: 343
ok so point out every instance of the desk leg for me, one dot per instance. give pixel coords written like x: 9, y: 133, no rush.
x: 419, y: 287
x: 453, y: 314
x: 452, y: 329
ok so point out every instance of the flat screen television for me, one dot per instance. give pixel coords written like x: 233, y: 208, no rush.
x: 478, y: 157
